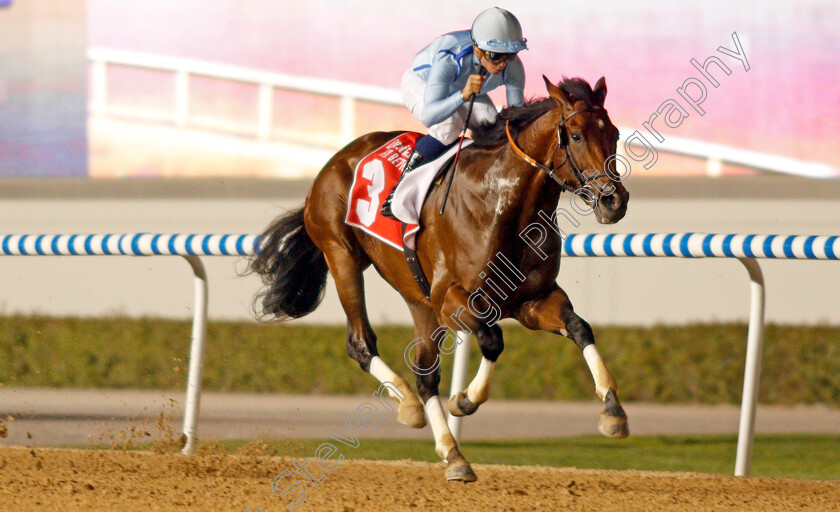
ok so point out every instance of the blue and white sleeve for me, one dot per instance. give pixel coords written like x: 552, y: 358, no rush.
x: 438, y: 104
x: 515, y: 83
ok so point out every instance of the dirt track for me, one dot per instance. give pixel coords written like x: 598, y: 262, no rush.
x: 53, y: 479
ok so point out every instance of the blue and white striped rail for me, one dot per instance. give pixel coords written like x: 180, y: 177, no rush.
x: 128, y: 244
x: 188, y: 246
x: 747, y: 248
x: 704, y: 245
x: 679, y: 245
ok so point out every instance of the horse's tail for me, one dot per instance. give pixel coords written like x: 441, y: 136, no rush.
x: 292, y: 269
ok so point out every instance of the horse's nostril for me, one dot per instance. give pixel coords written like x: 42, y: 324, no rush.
x: 611, y: 201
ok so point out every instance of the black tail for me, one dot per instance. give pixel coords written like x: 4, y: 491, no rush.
x: 292, y: 269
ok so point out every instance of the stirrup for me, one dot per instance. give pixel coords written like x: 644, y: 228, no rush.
x: 415, y: 160
x: 385, y: 211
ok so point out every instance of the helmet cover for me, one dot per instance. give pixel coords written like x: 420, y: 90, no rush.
x: 497, y: 30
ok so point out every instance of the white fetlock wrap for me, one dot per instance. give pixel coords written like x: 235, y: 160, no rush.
x: 381, y: 370
x: 603, y: 380
x: 479, y: 388
x: 437, y: 420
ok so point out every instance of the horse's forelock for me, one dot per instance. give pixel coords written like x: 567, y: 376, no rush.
x: 578, y: 89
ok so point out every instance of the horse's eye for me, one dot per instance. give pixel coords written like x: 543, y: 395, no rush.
x: 576, y: 137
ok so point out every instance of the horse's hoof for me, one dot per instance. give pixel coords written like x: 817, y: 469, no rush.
x: 460, y: 473
x: 411, y: 413
x: 458, y: 469
x: 461, y: 405
x: 613, y: 427
x: 613, y: 421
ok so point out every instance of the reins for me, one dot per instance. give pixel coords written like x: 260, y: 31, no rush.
x: 582, y: 178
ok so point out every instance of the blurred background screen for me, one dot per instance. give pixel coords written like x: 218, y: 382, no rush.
x: 268, y: 88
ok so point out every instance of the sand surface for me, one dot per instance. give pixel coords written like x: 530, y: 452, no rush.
x: 70, y: 479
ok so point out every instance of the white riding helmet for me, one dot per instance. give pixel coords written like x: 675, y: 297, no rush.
x: 497, y: 30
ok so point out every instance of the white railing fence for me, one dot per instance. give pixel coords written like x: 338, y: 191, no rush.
x: 715, y: 155
x: 266, y: 82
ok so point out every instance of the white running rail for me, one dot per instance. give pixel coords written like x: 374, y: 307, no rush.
x: 349, y: 93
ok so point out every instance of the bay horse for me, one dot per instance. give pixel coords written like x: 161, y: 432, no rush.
x: 510, y: 178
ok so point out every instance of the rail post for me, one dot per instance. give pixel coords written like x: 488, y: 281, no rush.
x: 199, y: 333
x: 460, y: 367
x: 752, y: 368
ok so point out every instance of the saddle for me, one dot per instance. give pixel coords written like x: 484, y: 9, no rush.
x: 374, y: 177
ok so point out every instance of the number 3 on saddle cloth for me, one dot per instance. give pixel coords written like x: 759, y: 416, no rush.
x: 373, y: 179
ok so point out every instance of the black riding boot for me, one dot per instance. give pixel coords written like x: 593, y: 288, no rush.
x: 415, y: 160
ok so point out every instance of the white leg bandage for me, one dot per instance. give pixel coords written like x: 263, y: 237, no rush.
x: 381, y: 370
x: 437, y: 419
x: 479, y: 388
x: 603, y: 380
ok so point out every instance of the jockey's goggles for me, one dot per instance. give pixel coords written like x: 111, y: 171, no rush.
x: 496, y: 57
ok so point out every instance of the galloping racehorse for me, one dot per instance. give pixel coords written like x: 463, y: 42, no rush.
x: 509, y: 179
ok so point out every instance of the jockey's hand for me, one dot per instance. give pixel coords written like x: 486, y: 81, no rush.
x: 473, y: 86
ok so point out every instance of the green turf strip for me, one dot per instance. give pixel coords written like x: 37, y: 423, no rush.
x: 688, y: 364
x: 793, y: 456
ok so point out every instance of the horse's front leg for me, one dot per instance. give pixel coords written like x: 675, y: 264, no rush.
x: 460, y: 311
x: 555, y: 314
x: 491, y: 343
x: 426, y: 364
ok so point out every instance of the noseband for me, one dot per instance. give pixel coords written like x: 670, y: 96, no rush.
x: 562, y: 142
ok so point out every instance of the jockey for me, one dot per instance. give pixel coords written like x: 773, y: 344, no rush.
x: 445, y: 74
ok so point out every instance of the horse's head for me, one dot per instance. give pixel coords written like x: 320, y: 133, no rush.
x: 586, y: 147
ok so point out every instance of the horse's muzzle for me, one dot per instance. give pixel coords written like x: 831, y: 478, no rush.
x: 612, y: 207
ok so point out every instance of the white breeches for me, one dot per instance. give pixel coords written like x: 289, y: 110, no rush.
x: 413, y: 89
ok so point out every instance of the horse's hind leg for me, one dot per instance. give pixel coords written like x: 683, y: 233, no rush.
x: 361, y: 340
x: 555, y: 314
x: 426, y: 364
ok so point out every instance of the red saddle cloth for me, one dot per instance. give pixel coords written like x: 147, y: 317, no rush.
x: 373, y: 179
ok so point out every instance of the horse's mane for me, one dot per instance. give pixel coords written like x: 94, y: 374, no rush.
x: 491, y: 134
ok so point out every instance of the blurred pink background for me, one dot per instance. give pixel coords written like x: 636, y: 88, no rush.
x: 786, y: 104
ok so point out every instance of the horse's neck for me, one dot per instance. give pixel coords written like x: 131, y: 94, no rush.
x: 536, y: 189
x: 505, y: 195
x: 501, y: 190
x: 538, y: 139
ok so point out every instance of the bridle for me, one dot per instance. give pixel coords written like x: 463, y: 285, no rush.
x: 562, y: 142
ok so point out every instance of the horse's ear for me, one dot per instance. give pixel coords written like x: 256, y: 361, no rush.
x: 557, y: 94
x: 600, y: 91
